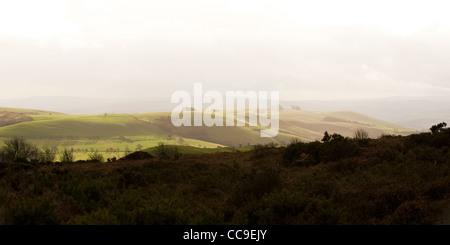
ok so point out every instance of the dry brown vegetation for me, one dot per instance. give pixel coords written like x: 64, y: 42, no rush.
x: 10, y: 118
x: 391, y: 180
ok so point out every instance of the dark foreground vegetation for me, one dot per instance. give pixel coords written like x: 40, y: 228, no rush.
x: 390, y: 180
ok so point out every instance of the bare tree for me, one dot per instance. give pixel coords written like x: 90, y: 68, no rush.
x: 361, y: 134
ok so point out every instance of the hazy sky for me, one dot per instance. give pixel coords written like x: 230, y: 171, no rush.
x: 304, y: 49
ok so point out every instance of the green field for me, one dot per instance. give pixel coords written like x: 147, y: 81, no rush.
x: 114, y: 135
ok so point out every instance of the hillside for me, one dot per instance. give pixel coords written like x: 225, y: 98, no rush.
x: 118, y: 132
x: 11, y: 116
x: 303, y: 124
x: 401, y: 180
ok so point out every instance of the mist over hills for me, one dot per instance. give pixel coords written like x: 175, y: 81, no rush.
x: 89, y: 105
x: 416, y: 113
x: 147, y: 129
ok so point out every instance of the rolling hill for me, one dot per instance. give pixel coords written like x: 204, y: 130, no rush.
x: 117, y: 132
x: 11, y: 116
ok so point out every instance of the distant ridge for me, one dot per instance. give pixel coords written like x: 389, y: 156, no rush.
x: 304, y: 125
x: 11, y: 116
x: 417, y: 113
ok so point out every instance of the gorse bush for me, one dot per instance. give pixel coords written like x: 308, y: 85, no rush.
x: 96, y: 157
x: 333, y: 148
x: 18, y: 150
x: 164, y: 151
x: 46, y: 155
x: 32, y: 212
x: 67, y: 156
x: 437, y: 139
x: 270, y: 145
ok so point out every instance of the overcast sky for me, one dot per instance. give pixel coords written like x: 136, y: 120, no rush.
x: 304, y: 49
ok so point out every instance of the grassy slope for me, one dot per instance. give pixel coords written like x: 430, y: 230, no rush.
x: 79, y: 126
x: 122, y: 131
x: 97, y: 132
x: 11, y: 116
x: 311, y: 125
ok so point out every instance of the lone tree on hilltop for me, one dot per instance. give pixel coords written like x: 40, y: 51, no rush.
x: 326, y: 137
x: 438, y: 127
x: 361, y: 134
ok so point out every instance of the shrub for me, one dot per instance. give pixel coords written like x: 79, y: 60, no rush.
x: 326, y: 137
x: 67, y: 156
x: 138, y: 155
x: 438, y: 189
x: 337, y: 137
x: 18, y: 150
x: 112, y: 159
x: 438, y: 127
x: 293, y: 208
x: 271, y: 145
x: 304, y: 153
x: 46, y: 155
x: 32, y: 212
x: 96, y: 157
x: 442, y: 139
x: 361, y: 134
x: 98, y: 217
x: 339, y: 148
x: 439, y: 138
x: 164, y: 151
x: 416, y: 212
x: 255, y: 185
x: 258, y: 147
x: 333, y: 149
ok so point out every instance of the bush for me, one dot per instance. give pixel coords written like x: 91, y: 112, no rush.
x: 46, y: 155
x: 361, y: 135
x: 112, y: 159
x: 18, y: 150
x: 255, y: 185
x: 438, y: 127
x: 441, y: 139
x: 334, y: 148
x: 416, y: 212
x: 438, y: 189
x: 338, y: 149
x: 293, y: 208
x: 98, y: 217
x: 167, y: 151
x: 32, y: 212
x: 303, y: 153
x: 138, y: 155
x: 67, y: 156
x: 96, y: 157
